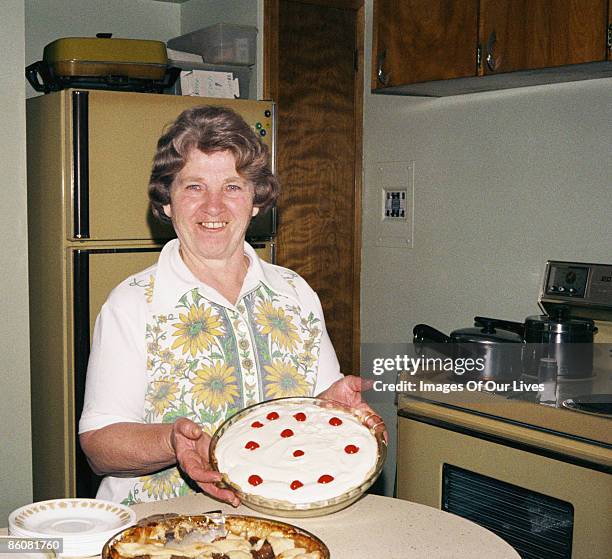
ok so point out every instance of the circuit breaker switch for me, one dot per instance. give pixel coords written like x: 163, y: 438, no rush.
x: 394, y: 204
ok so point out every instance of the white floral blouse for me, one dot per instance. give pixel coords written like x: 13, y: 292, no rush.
x: 167, y: 346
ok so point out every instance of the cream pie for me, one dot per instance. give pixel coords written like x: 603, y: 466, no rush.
x: 296, y: 452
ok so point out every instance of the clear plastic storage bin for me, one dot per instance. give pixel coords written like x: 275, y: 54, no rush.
x: 222, y: 43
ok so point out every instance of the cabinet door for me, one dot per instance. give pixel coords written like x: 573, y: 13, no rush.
x: 417, y: 41
x: 530, y: 34
x: 318, y: 164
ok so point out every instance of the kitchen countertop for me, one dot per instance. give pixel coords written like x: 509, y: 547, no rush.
x: 520, y: 406
x: 373, y: 527
x: 523, y: 407
x: 520, y: 417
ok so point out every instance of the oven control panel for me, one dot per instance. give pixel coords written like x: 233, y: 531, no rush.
x: 586, y: 289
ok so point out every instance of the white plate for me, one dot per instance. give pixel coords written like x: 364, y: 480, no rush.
x: 74, y: 519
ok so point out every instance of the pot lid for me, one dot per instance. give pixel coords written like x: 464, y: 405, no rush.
x: 486, y: 335
x: 544, y: 323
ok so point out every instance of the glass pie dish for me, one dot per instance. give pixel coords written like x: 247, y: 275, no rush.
x: 185, y: 536
x: 314, y: 507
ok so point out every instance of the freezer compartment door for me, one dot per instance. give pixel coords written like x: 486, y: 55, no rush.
x: 114, y: 138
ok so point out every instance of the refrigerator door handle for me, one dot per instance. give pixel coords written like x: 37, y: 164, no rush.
x: 80, y: 163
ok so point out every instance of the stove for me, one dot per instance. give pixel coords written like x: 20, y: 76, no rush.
x: 536, y: 473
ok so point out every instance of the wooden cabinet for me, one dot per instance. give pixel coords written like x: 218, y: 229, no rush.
x: 418, y: 41
x: 529, y: 34
x: 473, y: 45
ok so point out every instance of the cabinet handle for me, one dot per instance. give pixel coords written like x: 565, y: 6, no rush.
x: 380, y: 74
x: 492, y: 62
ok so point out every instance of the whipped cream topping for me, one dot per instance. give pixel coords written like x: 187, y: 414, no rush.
x: 297, y: 452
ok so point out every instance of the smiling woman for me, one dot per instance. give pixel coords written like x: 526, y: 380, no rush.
x: 211, y: 130
x: 205, y: 332
x: 211, y: 207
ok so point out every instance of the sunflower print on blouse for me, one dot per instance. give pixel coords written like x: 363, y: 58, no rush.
x: 283, y: 380
x: 275, y: 322
x: 206, y: 361
x: 215, y: 386
x: 161, y: 485
x: 197, y: 329
x: 162, y: 394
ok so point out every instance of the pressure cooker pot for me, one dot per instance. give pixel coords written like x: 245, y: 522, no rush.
x: 567, y: 340
x: 496, y: 351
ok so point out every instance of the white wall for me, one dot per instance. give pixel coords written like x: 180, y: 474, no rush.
x: 503, y: 181
x: 15, y: 447
x: 202, y: 13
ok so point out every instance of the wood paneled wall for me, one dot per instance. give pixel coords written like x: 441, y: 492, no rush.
x: 313, y: 71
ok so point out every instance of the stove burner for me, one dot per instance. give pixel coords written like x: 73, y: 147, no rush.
x: 596, y: 404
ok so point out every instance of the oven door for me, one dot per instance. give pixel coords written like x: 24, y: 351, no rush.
x: 542, y: 503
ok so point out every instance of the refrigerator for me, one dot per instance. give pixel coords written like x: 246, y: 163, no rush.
x: 89, y: 156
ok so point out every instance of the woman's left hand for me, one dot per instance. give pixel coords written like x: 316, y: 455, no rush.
x: 348, y: 391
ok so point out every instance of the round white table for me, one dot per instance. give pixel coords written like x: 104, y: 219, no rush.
x: 374, y: 527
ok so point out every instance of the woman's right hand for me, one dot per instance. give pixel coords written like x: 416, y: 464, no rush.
x: 191, y: 446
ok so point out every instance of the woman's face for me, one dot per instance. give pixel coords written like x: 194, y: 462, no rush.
x: 211, y: 206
